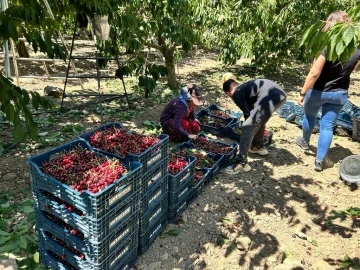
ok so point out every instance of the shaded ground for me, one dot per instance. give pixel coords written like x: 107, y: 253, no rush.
x: 271, y: 218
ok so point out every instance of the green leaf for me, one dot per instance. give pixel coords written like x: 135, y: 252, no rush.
x: 173, y: 232
x: 5, y: 205
x: 348, y: 35
x: 340, y: 47
x: 9, y: 111
x: 28, y: 209
x: 24, y: 242
x: 36, y: 257
x: 12, y: 30
x: 8, y: 248
x: 314, y: 243
x: 3, y: 240
x: 3, y: 233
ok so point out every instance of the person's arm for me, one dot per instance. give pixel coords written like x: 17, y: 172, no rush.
x: 357, y: 65
x: 180, y: 113
x: 311, y: 78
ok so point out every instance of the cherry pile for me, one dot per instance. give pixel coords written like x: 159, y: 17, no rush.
x: 211, y: 146
x: 221, y: 114
x: 198, y: 176
x: 83, y: 170
x: 176, y: 164
x: 63, y: 224
x: 68, y: 206
x: 120, y: 142
x: 66, y: 245
x: 202, y: 158
x: 212, y: 121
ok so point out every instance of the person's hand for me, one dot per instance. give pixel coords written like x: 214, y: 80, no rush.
x: 300, y: 100
x: 192, y: 136
x: 197, y: 120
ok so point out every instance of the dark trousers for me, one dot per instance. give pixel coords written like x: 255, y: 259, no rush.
x: 269, y: 100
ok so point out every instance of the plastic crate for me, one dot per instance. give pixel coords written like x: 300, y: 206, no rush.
x: 155, y: 174
x: 95, y: 251
x: 227, y: 157
x: 285, y: 109
x: 181, y: 194
x: 178, y: 209
x: 299, y: 119
x: 183, y: 177
x: 151, y: 198
x: 293, y: 112
x: 356, y: 127
x: 220, y: 131
x: 147, y: 238
x: 92, y: 205
x: 345, y: 121
x: 349, y: 108
x: 55, y: 256
x: 235, y: 115
x: 205, y: 179
x: 148, y: 219
x: 214, y: 170
x: 150, y: 157
x: 95, y: 229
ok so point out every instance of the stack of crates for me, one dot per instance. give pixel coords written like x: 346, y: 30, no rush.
x: 83, y: 230
x: 153, y: 188
x: 180, y: 189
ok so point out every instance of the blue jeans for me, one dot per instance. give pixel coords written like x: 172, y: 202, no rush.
x: 331, y: 103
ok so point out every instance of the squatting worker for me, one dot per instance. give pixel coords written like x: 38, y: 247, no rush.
x: 178, y: 117
x: 258, y: 100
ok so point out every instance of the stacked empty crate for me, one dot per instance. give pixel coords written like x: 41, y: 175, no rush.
x: 83, y: 229
x: 153, y: 186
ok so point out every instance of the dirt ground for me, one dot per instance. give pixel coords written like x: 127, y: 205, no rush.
x: 273, y: 217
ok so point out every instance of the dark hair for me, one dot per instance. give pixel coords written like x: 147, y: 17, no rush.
x: 228, y: 84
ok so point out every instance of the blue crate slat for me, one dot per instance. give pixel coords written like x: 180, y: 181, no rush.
x: 148, y: 237
x: 91, y: 204
x: 182, y: 178
x: 95, y: 251
x: 175, y: 211
x: 183, y: 193
x: 121, y: 259
x: 148, y: 219
x: 214, y: 170
x: 150, y: 157
x: 204, y: 180
x: 345, y: 120
x: 349, y: 108
x: 293, y: 112
x: 234, y: 135
x: 226, y: 157
x: 356, y: 126
x: 95, y: 229
x: 220, y: 131
x: 235, y: 115
x: 150, y: 199
x: 284, y: 110
x: 153, y: 175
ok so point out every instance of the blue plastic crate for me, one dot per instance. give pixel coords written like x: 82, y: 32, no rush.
x: 213, y: 107
x: 233, y: 133
x: 95, y: 251
x: 182, y: 194
x: 175, y: 211
x: 345, y: 120
x: 148, y: 237
x: 155, y: 174
x: 293, y: 112
x: 356, y: 126
x: 55, y: 256
x: 95, y: 229
x: 148, y: 219
x: 148, y: 158
x: 183, y: 177
x: 349, y: 108
x: 220, y: 131
x: 215, y: 168
x: 226, y: 157
x: 284, y: 110
x: 92, y: 205
x: 204, y: 180
x: 150, y: 199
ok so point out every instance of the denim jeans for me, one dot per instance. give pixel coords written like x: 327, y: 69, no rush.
x: 331, y: 104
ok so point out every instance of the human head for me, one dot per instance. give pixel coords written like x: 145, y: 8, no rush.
x: 227, y: 76
x: 229, y: 86
x: 195, y: 92
x: 336, y: 17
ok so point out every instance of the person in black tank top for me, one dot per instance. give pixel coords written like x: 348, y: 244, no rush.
x: 325, y: 87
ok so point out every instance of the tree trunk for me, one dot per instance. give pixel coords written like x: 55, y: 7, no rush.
x: 21, y: 48
x: 170, y: 64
